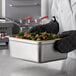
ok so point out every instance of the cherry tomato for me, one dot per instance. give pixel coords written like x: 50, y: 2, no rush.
x: 45, y: 37
x: 26, y: 35
x: 37, y: 36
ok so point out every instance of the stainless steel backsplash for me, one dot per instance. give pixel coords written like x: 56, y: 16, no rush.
x: 16, y: 9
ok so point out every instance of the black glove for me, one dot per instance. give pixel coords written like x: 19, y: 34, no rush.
x: 67, y: 43
x: 68, y: 33
x: 51, y: 27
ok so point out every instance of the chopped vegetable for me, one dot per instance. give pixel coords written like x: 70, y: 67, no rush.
x: 20, y: 34
x: 38, y: 36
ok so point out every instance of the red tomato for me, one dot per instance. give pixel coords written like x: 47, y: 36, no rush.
x: 37, y: 36
x: 45, y: 37
x: 26, y: 35
x: 48, y: 36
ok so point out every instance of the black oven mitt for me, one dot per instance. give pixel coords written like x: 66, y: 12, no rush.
x: 51, y: 27
x: 67, y: 43
x: 64, y: 45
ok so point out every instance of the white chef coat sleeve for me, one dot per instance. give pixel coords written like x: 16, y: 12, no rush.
x: 73, y: 5
x: 54, y: 11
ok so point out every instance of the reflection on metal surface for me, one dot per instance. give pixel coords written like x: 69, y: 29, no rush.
x: 26, y: 5
x: 3, y: 8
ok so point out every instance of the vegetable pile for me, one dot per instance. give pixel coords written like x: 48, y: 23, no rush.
x: 37, y: 36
